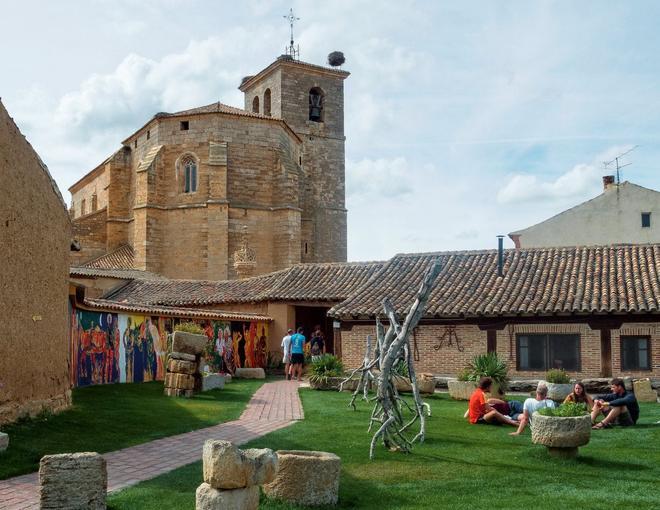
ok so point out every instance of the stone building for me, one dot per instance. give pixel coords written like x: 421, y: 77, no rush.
x: 189, y: 190
x: 593, y: 311
x: 35, y: 239
x: 623, y: 213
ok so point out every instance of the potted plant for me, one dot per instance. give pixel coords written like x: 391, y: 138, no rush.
x: 482, y: 365
x: 562, y: 430
x: 325, y: 372
x: 559, y: 384
x: 463, y: 386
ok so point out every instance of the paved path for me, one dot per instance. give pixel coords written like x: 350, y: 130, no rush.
x: 274, y: 406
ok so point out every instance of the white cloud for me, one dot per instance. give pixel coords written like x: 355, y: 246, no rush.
x: 385, y: 178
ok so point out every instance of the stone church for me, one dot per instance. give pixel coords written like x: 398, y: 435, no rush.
x: 218, y: 192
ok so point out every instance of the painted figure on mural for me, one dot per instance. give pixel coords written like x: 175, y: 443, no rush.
x: 241, y: 350
x: 129, y: 347
x: 228, y: 354
x: 160, y: 349
x: 260, y: 350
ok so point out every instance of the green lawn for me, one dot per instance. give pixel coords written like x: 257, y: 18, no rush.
x: 459, y: 466
x: 110, y: 417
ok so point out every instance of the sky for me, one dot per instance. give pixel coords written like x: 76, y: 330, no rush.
x: 464, y: 120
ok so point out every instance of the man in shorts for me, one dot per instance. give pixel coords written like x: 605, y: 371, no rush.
x: 480, y: 411
x: 286, y: 353
x: 297, y: 354
x: 619, y: 407
x: 532, y: 405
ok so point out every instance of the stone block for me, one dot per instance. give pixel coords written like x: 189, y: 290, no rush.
x: 179, y: 381
x: 175, y: 392
x: 189, y: 343
x: 213, y: 381
x: 73, y: 480
x: 223, y: 465
x: 208, y: 498
x: 250, y: 373
x: 4, y: 441
x: 260, y: 466
x: 179, y: 366
x: 182, y: 356
x: 305, y: 478
x: 644, y: 392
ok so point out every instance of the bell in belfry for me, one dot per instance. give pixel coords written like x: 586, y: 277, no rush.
x: 315, y: 106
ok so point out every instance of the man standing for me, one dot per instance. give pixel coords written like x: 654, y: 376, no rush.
x: 297, y: 353
x: 619, y: 407
x: 286, y: 353
x: 532, y: 405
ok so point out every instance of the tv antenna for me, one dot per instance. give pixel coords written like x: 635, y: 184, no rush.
x: 619, y: 166
x: 291, y: 50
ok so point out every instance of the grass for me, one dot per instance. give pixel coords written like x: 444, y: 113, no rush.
x: 110, y: 417
x: 460, y: 466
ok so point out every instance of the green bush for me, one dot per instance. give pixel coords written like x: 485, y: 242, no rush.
x: 489, y: 365
x: 324, y: 367
x: 464, y: 375
x: 557, y: 376
x: 565, y: 410
x: 189, y: 327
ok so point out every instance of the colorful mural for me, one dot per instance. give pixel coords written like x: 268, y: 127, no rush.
x: 110, y: 347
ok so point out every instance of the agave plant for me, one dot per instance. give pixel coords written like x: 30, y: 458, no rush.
x: 490, y: 365
x: 324, y: 367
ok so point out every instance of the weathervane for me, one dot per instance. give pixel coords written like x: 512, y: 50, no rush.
x: 606, y: 164
x: 291, y: 50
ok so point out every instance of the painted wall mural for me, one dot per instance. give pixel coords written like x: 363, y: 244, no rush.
x: 111, y: 348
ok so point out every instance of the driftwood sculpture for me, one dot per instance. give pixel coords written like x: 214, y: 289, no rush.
x: 393, y: 415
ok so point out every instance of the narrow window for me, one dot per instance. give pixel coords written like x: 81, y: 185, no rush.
x: 305, y: 248
x: 82, y: 207
x: 267, y: 102
x: 189, y: 175
x: 94, y: 202
x: 255, y: 104
x: 316, y: 105
x: 135, y: 143
x: 148, y: 134
x: 184, y: 125
x: 646, y: 219
x: 635, y: 353
x: 542, y: 352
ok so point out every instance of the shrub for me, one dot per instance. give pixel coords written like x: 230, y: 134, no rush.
x: 324, y: 367
x: 565, y: 410
x: 557, y: 376
x: 464, y: 375
x: 189, y: 327
x: 400, y: 368
x: 489, y: 365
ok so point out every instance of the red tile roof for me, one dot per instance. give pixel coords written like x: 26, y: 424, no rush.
x: 121, y: 258
x: 544, y: 281
x: 326, y: 282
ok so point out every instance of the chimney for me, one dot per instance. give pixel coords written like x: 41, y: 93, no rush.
x: 608, y: 182
x: 500, y: 255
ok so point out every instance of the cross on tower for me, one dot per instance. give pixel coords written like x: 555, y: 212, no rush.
x: 291, y: 50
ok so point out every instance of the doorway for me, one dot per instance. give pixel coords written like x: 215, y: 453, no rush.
x: 309, y: 317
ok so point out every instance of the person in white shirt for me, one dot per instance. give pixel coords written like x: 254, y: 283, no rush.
x: 532, y: 405
x: 286, y: 353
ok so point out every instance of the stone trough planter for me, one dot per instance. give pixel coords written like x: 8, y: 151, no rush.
x: 461, y: 390
x: 332, y: 383
x: 561, y: 435
x: 305, y: 478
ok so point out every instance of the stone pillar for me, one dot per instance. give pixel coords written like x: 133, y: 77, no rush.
x: 73, y: 480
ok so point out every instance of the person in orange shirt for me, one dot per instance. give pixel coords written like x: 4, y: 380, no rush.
x: 480, y: 411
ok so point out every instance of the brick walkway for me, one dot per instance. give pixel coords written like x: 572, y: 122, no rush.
x: 274, y: 406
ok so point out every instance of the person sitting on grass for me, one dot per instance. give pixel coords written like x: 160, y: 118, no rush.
x: 480, y: 411
x: 580, y: 396
x: 532, y: 405
x: 619, y: 407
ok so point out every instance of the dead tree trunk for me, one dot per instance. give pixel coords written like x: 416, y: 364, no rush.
x: 394, y: 415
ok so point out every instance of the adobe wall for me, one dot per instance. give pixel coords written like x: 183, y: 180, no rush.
x: 35, y: 237
x: 448, y: 360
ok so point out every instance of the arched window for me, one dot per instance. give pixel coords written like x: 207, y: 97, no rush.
x: 189, y: 175
x: 94, y: 202
x: 267, y: 102
x: 255, y: 104
x: 316, y: 105
x: 82, y: 207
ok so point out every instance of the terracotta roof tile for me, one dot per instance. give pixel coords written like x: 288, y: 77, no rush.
x: 121, y: 258
x: 542, y: 281
x: 304, y: 282
x: 196, y: 313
